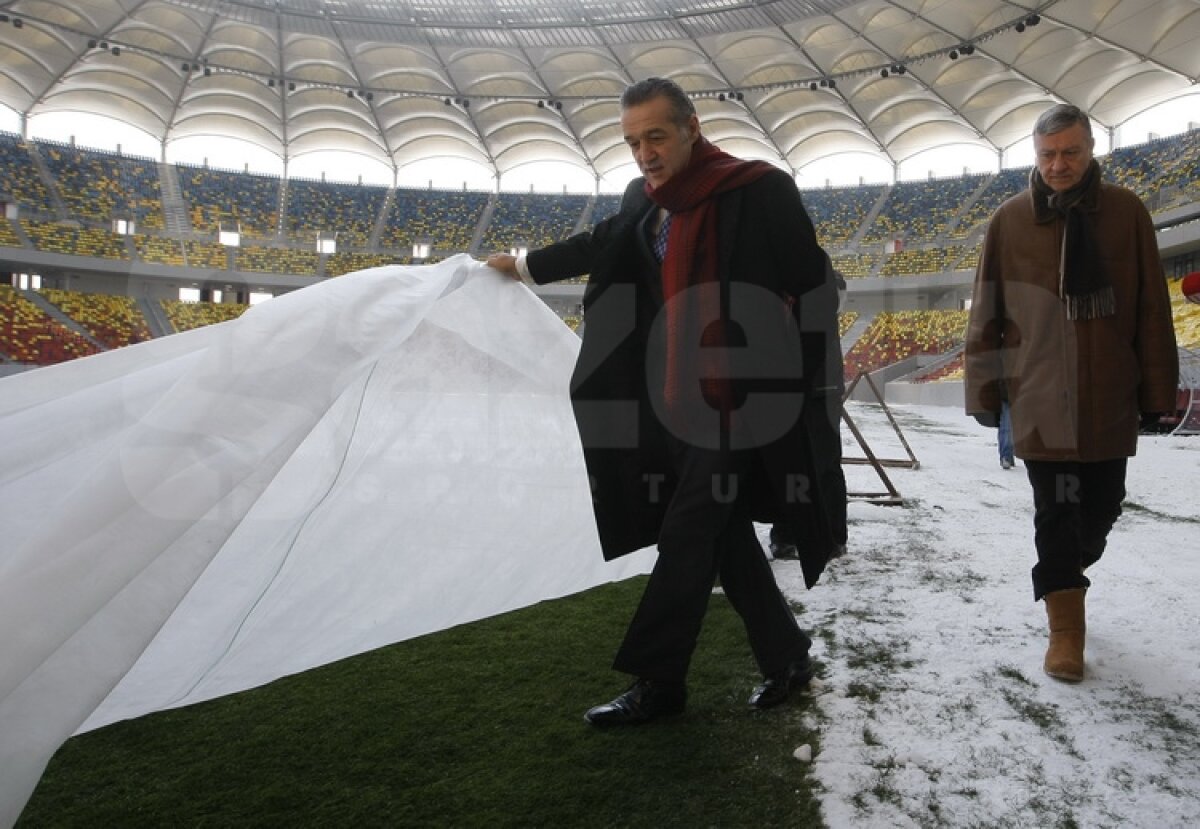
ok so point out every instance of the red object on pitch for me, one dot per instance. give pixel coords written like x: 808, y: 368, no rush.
x: 1191, y: 287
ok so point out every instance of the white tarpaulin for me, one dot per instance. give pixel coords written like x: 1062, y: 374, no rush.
x: 366, y: 460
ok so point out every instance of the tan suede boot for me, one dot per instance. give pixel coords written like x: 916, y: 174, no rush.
x: 1064, y: 657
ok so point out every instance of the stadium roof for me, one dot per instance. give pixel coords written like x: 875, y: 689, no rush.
x: 508, y: 82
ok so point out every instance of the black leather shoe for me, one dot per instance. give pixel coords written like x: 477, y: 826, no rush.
x: 645, y: 700
x: 779, y: 686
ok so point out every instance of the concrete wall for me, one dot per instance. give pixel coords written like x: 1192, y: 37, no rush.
x: 8, y: 369
x: 893, y: 383
x: 941, y: 393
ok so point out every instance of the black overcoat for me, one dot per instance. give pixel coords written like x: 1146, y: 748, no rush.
x: 773, y: 275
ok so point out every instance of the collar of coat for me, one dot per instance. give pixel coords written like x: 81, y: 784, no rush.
x: 1049, y: 205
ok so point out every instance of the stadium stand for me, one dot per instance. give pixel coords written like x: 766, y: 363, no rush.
x: 1186, y: 316
x: 938, y: 220
x: 222, y: 199
x: 350, y: 211
x: 838, y: 213
x: 921, y: 211
x: 846, y: 319
x: 918, y: 261
x: 113, y: 320
x: 159, y: 250
x: 258, y: 259
x: 339, y: 264
x: 1001, y: 187
x: 855, y: 264
x: 188, y: 315
x: 58, y: 237
x: 98, y: 186
x: 971, y: 258
x: 607, y: 204
x: 211, y: 255
x: 950, y: 369
x: 29, y: 335
x: 445, y: 219
x: 532, y: 219
x: 20, y: 180
x: 895, y: 335
x: 8, y: 236
x: 1165, y: 172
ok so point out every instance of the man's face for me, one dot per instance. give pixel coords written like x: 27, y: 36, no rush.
x: 1063, y: 157
x: 660, y: 147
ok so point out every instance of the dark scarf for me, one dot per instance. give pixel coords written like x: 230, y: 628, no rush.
x: 697, y: 317
x: 1083, y: 281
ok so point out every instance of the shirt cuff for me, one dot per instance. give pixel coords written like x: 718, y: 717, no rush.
x: 523, y: 269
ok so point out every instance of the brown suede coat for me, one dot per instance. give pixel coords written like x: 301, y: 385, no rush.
x: 1076, y: 386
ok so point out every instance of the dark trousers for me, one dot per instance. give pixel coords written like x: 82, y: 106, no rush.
x: 1004, y: 435
x: 707, y: 533
x: 1075, y: 507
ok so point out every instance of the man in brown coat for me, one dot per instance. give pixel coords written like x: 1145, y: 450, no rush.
x: 1071, y: 323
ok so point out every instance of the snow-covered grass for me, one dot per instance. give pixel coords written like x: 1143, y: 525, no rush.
x: 932, y: 706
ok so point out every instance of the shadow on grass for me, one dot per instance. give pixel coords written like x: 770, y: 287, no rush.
x: 480, y: 725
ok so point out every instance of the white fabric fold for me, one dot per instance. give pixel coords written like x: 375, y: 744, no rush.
x: 372, y: 458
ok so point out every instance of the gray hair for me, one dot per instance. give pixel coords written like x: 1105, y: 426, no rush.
x: 682, y: 108
x: 1061, y: 117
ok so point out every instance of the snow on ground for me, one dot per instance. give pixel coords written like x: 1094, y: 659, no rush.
x: 932, y: 708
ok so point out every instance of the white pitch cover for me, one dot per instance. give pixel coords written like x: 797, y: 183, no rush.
x: 368, y: 459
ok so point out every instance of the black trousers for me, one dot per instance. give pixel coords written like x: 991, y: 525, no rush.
x: 1075, y: 506
x: 707, y: 533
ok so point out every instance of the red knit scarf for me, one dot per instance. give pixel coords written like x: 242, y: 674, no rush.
x: 695, y: 327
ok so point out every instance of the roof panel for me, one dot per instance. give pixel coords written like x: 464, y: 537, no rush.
x: 324, y: 56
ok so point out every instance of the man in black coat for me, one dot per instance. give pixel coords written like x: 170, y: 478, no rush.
x: 691, y: 393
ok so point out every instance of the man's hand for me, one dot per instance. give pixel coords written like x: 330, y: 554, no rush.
x: 506, y: 263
